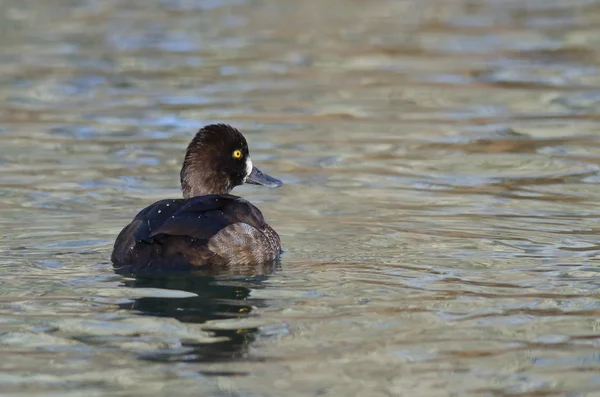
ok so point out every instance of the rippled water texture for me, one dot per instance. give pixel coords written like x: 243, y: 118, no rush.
x: 440, y: 213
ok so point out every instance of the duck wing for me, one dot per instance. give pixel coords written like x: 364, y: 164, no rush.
x: 198, y: 217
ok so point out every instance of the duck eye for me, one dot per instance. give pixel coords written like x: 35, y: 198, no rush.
x: 237, y: 154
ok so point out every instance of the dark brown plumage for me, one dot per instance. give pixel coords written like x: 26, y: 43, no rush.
x: 208, y: 227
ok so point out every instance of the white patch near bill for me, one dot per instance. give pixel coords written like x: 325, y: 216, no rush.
x: 249, y: 167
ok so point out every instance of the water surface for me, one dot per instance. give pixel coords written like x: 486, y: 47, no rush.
x: 439, y: 217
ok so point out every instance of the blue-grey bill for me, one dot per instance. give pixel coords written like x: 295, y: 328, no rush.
x: 257, y: 177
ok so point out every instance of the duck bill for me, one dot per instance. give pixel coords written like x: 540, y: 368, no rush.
x: 257, y: 177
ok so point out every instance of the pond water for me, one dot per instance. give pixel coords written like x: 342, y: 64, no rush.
x: 440, y: 215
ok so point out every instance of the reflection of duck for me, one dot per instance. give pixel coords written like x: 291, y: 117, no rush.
x: 208, y: 226
x: 218, y: 298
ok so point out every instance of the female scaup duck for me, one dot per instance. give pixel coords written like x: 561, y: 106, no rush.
x: 208, y: 226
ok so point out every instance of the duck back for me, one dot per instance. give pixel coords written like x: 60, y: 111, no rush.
x: 219, y: 229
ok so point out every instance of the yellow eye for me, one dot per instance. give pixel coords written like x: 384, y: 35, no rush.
x: 237, y: 154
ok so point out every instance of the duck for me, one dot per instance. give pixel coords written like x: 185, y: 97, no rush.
x: 208, y: 227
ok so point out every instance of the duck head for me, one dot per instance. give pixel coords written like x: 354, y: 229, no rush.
x: 217, y: 160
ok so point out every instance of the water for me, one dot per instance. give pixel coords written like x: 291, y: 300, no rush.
x: 440, y: 213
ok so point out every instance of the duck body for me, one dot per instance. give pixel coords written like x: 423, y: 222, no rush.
x: 199, y: 230
x: 211, y: 230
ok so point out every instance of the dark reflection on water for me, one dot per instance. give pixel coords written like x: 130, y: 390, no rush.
x: 219, y: 296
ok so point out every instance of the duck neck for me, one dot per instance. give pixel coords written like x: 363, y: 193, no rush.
x: 195, y: 182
